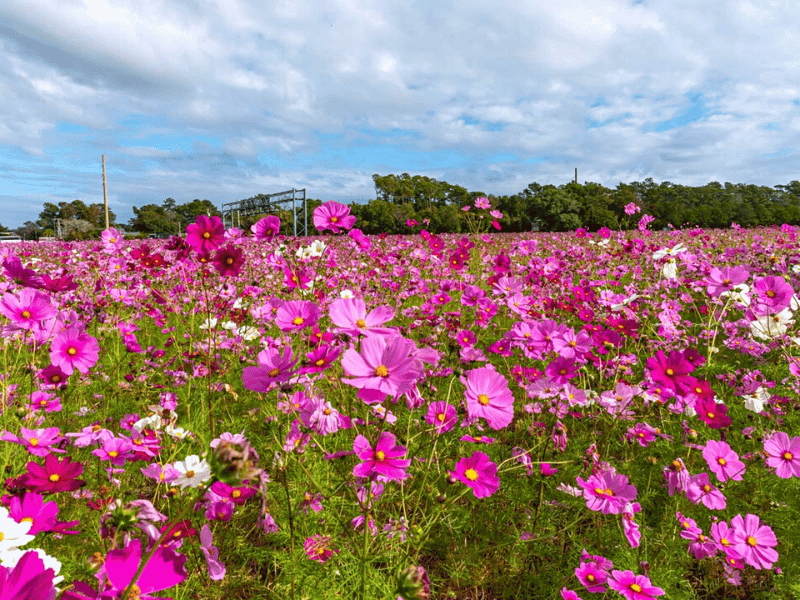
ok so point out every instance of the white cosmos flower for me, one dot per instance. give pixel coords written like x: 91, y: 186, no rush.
x: 770, y: 327
x: 755, y: 401
x: 11, y: 557
x: 674, y: 251
x: 13, y: 534
x: 670, y: 269
x: 346, y: 294
x: 194, y: 471
x: 739, y: 294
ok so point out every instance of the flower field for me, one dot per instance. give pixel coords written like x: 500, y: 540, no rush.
x: 238, y: 415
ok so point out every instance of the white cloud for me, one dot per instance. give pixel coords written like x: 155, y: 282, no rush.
x: 293, y: 91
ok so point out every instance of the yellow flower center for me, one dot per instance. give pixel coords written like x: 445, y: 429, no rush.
x: 483, y: 399
x: 770, y: 294
x: 189, y: 474
x: 381, y: 371
x: 274, y: 372
x: 72, y: 351
x: 706, y: 488
x: 635, y: 587
x: 380, y: 455
x: 670, y: 372
x: 722, y: 461
x: 751, y: 541
x: 26, y: 520
x: 298, y: 321
x: 788, y: 455
x: 113, y: 454
x: 710, y: 415
x: 33, y: 442
x: 26, y: 314
x: 236, y: 493
x: 206, y: 234
x: 725, y: 541
x: 319, y: 362
x: 334, y: 219
x: 54, y: 477
x: 361, y: 324
x: 471, y: 474
x: 229, y: 260
x: 440, y: 417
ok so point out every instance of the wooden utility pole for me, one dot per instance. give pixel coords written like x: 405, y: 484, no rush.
x: 105, y: 194
x: 576, y: 175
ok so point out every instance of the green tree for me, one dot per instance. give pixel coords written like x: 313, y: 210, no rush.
x: 152, y: 218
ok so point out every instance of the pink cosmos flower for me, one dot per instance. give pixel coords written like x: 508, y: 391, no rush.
x: 295, y: 315
x: 489, y: 397
x: 318, y: 549
x: 333, y: 216
x: 38, y: 442
x: 700, y: 489
x: 592, y: 576
x: 74, y: 349
x: 713, y: 414
x: 723, y: 461
x: 351, y: 317
x: 754, y: 542
x: 165, y: 569
x: 382, y: 461
x: 567, y: 594
x: 633, y: 587
x: 442, y: 416
x: 478, y: 473
x: 385, y: 366
x: 629, y: 526
x: 774, y: 294
x: 273, y: 369
x: 483, y: 203
x: 607, y: 492
x: 41, y: 514
x: 205, y: 234
x: 677, y: 476
x: 359, y: 238
x: 266, y: 228
x: 216, y: 570
x: 783, y: 454
x: 724, y: 280
x: 29, y: 309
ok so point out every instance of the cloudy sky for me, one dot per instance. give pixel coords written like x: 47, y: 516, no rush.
x: 225, y: 99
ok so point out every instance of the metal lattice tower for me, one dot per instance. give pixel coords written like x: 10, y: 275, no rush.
x: 269, y: 204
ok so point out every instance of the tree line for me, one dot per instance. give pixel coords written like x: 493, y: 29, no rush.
x: 437, y: 206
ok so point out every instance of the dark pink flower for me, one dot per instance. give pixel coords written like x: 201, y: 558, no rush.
x: 274, y: 367
x: 333, y: 216
x: 33, y: 508
x: 28, y: 309
x: 442, y: 416
x: 205, y: 234
x: 478, y: 473
x: 700, y: 489
x: 773, y: 293
x: 383, y: 460
x: 228, y: 261
x: 54, y: 476
x: 671, y: 371
x: 266, y: 228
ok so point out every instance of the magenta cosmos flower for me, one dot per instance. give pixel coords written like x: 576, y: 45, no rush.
x: 724, y: 280
x: 165, y: 569
x: 74, y: 349
x: 54, y: 476
x: 205, y: 234
x: 479, y: 473
x: 783, y: 454
x: 442, y: 416
x: 351, y: 317
x: 318, y: 548
x: 28, y: 579
x: 633, y: 587
x: 607, y: 492
x: 489, y: 397
x: 333, y: 216
x: 266, y: 228
x: 754, y: 542
x: 671, y: 371
x: 383, y: 460
x: 385, y: 366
